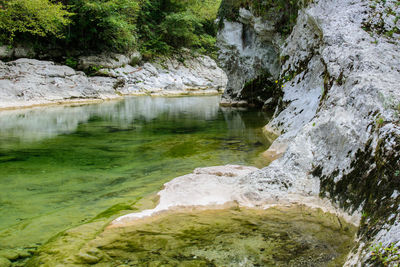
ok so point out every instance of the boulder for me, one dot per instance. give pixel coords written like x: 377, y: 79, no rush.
x: 108, y: 60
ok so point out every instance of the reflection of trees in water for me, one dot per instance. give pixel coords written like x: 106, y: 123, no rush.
x: 241, y: 122
x: 45, y: 122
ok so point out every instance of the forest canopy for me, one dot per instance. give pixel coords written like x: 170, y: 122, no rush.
x: 152, y: 26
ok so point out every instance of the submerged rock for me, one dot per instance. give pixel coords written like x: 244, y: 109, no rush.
x: 285, y: 236
x: 5, y: 262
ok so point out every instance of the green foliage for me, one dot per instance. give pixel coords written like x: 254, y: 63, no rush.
x: 379, y: 121
x: 34, y: 17
x: 93, y: 70
x: 179, y: 29
x: 155, y: 27
x: 71, y: 62
x: 386, y: 255
x: 103, y: 24
x: 167, y: 25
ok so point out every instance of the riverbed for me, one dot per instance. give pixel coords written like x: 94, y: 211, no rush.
x: 62, y: 166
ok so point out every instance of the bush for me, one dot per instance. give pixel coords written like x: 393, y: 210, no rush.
x: 155, y: 27
x: 167, y: 25
x: 35, y: 17
x: 103, y: 25
x: 179, y: 29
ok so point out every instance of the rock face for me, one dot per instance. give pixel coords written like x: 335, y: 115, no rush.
x: 249, y: 48
x: 339, y: 118
x: 108, y: 60
x: 7, y: 52
x: 27, y: 82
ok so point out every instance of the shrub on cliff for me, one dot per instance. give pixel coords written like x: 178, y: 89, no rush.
x: 32, y: 17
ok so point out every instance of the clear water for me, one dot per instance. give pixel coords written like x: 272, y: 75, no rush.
x: 282, y: 236
x: 62, y: 166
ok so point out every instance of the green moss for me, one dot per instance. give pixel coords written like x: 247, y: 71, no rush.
x: 285, y: 236
x: 260, y: 89
x: 386, y: 256
x: 328, y: 83
x: 369, y: 185
x: 282, y: 11
x: 115, y: 209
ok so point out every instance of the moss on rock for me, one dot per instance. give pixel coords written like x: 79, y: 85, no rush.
x: 262, y: 91
x: 284, y: 11
x: 373, y: 185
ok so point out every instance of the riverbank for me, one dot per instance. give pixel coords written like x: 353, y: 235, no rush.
x: 179, y: 231
x: 29, y: 82
x: 210, y: 187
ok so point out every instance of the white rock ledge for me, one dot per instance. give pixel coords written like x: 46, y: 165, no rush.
x: 29, y: 82
x: 211, y: 187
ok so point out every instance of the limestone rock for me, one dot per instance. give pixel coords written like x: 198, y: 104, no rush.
x: 5, y: 52
x: 107, y: 60
x: 248, y: 49
x: 27, y: 82
x: 171, y: 76
x: 339, y: 118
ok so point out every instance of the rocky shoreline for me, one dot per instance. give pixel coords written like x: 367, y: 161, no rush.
x: 338, y: 115
x: 217, y: 186
x: 29, y: 82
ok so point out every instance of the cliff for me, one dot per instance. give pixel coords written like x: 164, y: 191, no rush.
x: 334, y: 85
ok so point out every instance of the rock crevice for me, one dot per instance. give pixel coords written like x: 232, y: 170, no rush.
x: 339, y: 114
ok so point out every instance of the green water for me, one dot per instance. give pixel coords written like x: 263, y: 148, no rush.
x: 282, y: 236
x: 62, y: 166
x: 294, y: 236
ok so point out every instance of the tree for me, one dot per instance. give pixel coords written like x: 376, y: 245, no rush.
x: 103, y: 24
x: 36, y: 17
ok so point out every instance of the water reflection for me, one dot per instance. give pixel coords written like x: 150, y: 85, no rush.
x: 46, y: 122
x: 61, y: 166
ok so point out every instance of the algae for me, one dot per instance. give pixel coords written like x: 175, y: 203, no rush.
x: 66, y: 166
x: 280, y: 236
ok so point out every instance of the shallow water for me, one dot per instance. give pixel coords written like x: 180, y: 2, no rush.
x: 62, y: 166
x: 281, y: 236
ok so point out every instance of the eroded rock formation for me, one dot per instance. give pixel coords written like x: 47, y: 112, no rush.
x: 339, y: 115
x: 27, y: 82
